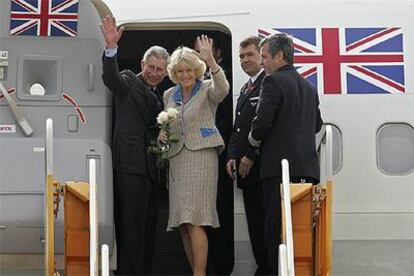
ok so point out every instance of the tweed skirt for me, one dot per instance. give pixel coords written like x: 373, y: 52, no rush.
x: 193, y: 176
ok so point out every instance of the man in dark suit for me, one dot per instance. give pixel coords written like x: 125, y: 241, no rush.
x: 135, y: 111
x: 288, y: 117
x: 221, y: 240
x: 242, y: 158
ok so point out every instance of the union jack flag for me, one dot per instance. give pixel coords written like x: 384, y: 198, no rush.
x: 44, y: 17
x: 348, y: 60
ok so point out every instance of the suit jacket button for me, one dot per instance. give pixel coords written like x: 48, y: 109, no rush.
x: 238, y: 129
x: 238, y: 113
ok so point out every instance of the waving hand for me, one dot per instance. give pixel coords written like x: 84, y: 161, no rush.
x: 205, y: 45
x: 110, y: 32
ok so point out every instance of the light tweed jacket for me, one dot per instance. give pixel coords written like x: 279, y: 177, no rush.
x: 195, y: 124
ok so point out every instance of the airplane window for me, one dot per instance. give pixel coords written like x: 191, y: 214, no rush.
x: 395, y: 149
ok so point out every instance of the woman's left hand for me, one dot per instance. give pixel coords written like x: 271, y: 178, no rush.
x: 205, y: 45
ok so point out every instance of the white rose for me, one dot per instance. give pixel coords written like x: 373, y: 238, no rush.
x: 162, y: 117
x: 172, y: 113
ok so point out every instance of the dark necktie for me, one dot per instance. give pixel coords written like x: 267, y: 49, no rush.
x: 248, y: 87
x: 154, y: 90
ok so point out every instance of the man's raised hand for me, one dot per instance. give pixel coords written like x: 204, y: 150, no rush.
x: 110, y: 32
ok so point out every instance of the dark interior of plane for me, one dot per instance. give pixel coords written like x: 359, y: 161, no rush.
x: 133, y: 45
x: 169, y: 256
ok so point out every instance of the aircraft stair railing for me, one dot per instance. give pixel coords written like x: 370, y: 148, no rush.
x: 48, y: 207
x: 93, y: 226
x: 105, y: 260
x: 93, y: 220
x: 326, y: 155
x: 80, y: 203
x: 306, y: 247
x: 323, y: 195
x: 286, y: 250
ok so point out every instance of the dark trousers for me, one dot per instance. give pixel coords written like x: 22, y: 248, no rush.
x: 253, y: 206
x: 221, y: 240
x: 273, y: 221
x: 135, y: 209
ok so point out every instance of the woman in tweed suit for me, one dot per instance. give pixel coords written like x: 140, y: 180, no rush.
x: 194, y: 159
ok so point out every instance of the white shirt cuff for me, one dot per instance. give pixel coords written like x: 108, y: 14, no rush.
x: 110, y: 53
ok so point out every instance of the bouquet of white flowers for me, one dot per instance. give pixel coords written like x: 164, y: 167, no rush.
x: 164, y: 120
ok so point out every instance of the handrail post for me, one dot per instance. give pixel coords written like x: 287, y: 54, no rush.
x: 105, y: 260
x: 283, y: 270
x: 48, y: 203
x: 93, y: 238
x: 326, y: 174
x: 329, y: 153
x: 288, y: 217
x: 49, y: 146
x: 329, y: 200
x: 322, y: 162
x: 326, y: 155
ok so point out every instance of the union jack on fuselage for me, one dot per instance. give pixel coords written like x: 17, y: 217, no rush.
x: 349, y: 60
x: 44, y: 17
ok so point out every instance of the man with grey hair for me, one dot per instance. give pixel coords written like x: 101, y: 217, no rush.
x: 154, y: 70
x: 135, y: 108
x: 287, y: 119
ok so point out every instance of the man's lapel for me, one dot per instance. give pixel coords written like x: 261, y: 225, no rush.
x: 244, y: 95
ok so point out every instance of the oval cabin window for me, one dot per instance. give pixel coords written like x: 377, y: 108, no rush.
x: 395, y: 149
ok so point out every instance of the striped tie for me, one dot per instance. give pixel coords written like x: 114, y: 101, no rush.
x: 250, y: 85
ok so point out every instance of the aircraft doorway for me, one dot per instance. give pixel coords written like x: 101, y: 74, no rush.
x: 169, y: 256
x: 136, y: 40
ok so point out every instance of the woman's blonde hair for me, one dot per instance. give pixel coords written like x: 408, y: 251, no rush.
x: 185, y: 55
